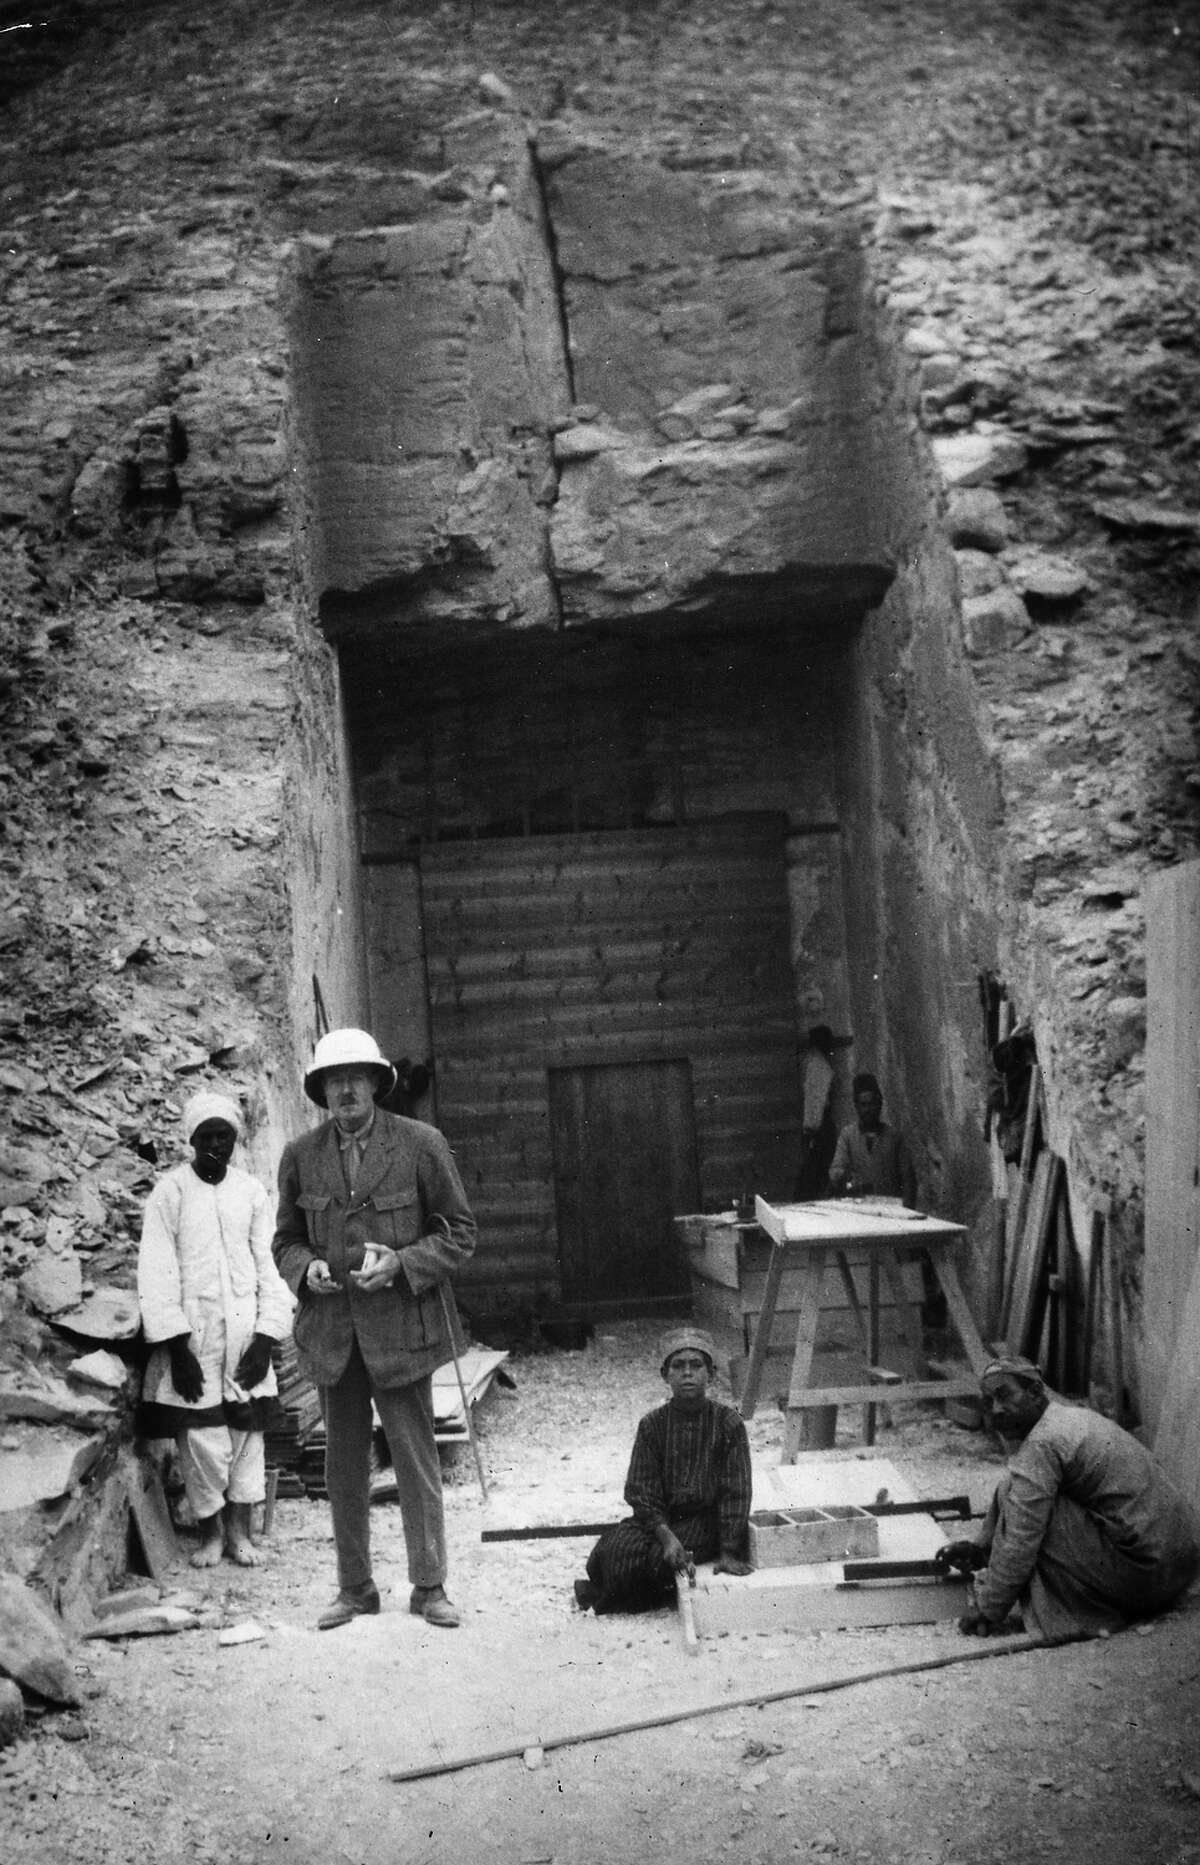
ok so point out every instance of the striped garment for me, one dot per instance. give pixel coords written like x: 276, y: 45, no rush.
x: 690, y: 1470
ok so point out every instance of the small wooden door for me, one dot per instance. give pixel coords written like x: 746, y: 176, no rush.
x: 625, y: 1167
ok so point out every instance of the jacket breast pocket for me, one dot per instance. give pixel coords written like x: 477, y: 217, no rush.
x: 315, y: 1206
x: 399, y: 1217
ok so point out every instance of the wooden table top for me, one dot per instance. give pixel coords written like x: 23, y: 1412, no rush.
x: 835, y: 1221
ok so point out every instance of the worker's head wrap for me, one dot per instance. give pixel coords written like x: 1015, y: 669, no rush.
x: 866, y: 1083
x: 1012, y: 1366
x: 681, y: 1340
x: 209, y: 1106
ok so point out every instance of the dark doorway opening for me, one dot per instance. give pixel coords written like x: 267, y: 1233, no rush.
x: 625, y: 1165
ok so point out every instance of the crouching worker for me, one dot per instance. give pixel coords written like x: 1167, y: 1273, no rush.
x: 688, y: 1487
x: 213, y: 1305
x: 1085, y: 1531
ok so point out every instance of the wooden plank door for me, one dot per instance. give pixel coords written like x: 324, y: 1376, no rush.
x: 625, y: 1166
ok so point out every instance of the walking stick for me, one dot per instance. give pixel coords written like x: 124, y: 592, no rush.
x: 450, y: 1316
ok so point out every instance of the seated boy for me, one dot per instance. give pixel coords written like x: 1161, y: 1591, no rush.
x: 688, y: 1487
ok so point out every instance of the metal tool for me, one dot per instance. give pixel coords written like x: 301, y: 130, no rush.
x: 855, y: 1571
x: 687, y: 1613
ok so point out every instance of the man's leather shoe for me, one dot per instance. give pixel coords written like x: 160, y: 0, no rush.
x: 432, y: 1605
x: 348, y: 1606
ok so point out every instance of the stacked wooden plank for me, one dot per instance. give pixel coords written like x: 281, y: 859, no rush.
x: 1177, y: 1440
x: 296, y: 1415
x: 296, y: 1446
x: 1043, y: 1316
x: 479, y: 1367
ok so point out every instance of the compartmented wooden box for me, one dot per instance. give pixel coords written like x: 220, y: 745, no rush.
x: 796, y: 1536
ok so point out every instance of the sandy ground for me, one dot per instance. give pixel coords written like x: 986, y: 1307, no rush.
x: 283, y: 1748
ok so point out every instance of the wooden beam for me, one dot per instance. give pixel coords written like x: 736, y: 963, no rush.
x: 913, y: 1392
x: 966, y: 1654
x: 546, y: 1531
x: 762, y: 1333
x: 959, y: 1506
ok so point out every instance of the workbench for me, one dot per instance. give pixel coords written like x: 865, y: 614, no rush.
x: 728, y: 1259
x: 803, y: 1237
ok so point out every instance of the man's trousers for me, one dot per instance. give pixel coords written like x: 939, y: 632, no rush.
x: 406, y: 1414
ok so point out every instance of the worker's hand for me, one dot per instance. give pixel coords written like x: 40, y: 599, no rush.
x: 675, y: 1554
x: 318, y: 1279
x: 977, y: 1625
x: 964, y: 1557
x: 380, y: 1267
x: 187, y: 1375
x: 252, y: 1367
x: 730, y: 1564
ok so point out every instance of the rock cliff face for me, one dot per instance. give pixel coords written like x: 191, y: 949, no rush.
x: 869, y: 326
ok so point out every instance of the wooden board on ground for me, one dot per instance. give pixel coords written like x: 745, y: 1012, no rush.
x: 479, y: 1367
x: 821, y: 1479
x: 1172, y: 906
x: 152, y: 1519
x: 812, y: 1597
x: 1177, y: 1438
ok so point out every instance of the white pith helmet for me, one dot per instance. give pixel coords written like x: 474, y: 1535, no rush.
x: 347, y: 1049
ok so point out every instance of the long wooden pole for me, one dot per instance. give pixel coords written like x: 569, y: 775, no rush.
x: 1024, y: 1186
x: 958, y: 1506
x: 450, y: 1317
x: 985, y: 1648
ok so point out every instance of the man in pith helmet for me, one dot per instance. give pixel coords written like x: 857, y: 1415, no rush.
x: 372, y: 1218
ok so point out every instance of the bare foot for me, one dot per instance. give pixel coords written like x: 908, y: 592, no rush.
x: 238, y: 1544
x: 242, y: 1551
x: 209, y: 1552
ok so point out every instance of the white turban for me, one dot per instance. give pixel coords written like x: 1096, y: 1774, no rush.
x: 208, y: 1106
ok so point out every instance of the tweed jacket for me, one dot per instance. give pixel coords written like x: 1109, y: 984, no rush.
x: 407, y: 1181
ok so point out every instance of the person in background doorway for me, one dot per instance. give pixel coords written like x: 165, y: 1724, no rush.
x: 819, y: 1131
x: 688, y: 1487
x: 1085, y: 1532
x: 372, y: 1218
x: 871, y: 1159
x: 213, y: 1305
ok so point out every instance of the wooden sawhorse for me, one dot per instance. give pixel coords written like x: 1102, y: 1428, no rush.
x: 804, y: 1236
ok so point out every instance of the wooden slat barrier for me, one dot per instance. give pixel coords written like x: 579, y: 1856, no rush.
x: 613, y: 948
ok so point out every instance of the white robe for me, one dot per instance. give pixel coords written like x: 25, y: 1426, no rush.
x: 205, y: 1269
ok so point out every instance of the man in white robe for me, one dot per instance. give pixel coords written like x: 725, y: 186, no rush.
x: 213, y: 1304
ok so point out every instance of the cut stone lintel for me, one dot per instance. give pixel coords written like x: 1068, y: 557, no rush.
x: 607, y: 393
